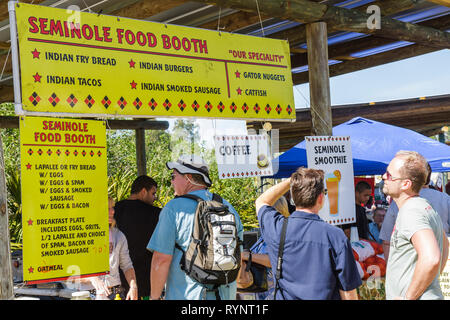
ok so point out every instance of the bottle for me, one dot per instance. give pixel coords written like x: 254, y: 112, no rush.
x: 117, y: 297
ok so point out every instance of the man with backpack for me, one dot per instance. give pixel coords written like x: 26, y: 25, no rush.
x: 197, y: 242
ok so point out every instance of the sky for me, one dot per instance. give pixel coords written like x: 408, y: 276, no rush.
x: 425, y: 75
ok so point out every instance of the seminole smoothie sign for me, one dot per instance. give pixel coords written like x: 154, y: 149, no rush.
x: 95, y: 65
x: 333, y: 155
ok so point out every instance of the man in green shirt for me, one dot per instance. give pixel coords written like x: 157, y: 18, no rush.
x: 419, y: 246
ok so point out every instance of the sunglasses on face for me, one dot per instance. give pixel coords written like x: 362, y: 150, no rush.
x: 390, y: 177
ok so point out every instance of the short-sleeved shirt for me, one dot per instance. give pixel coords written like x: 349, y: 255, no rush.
x: 317, y: 260
x: 374, y: 232
x: 415, y: 215
x: 175, y: 225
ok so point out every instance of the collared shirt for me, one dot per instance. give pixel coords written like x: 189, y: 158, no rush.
x: 317, y: 260
x: 375, y: 232
x: 175, y: 225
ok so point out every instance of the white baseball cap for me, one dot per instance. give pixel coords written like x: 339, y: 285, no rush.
x: 191, y: 164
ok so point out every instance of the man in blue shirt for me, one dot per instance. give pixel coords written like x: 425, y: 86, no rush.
x: 318, y: 262
x: 375, y: 226
x: 190, y: 176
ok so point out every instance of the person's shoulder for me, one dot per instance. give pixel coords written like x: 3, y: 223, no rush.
x: 155, y: 209
x: 335, y: 234
x: 178, y: 203
x: 118, y: 234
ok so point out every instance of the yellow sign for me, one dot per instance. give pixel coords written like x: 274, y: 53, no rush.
x: 89, y: 64
x: 64, y: 198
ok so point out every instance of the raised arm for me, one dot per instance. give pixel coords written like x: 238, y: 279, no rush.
x: 271, y: 195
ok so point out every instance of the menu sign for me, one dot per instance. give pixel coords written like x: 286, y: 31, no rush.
x: 333, y: 155
x: 83, y: 63
x: 64, y: 198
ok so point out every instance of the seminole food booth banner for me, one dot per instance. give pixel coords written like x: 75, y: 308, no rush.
x: 64, y: 198
x: 90, y: 64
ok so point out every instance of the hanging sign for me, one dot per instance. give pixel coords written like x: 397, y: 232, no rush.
x: 76, y: 63
x: 333, y: 155
x: 64, y: 198
x: 243, y: 156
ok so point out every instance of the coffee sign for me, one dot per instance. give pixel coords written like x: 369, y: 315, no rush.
x: 243, y: 156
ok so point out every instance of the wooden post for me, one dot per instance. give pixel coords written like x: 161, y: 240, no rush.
x: 319, y: 78
x: 141, y: 161
x: 6, y: 282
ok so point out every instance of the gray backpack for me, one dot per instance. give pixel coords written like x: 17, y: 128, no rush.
x: 213, y: 255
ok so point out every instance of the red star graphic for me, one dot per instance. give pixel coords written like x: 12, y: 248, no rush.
x: 239, y: 91
x: 35, y: 53
x: 37, y: 77
x: 132, y: 63
x: 238, y: 74
x: 28, y: 166
x: 30, y: 222
x: 30, y: 270
x: 133, y: 85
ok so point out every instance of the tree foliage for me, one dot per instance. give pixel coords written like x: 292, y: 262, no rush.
x: 161, y: 147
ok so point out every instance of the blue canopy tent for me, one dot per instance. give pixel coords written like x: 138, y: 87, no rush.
x: 374, y: 144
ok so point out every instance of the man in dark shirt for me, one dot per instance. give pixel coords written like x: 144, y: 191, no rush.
x: 137, y: 218
x: 317, y: 262
x: 363, y: 190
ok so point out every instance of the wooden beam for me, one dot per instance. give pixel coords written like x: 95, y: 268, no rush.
x: 141, y: 161
x: 342, y: 19
x: 341, y: 51
x: 419, y: 114
x: 4, y: 14
x: 297, y: 35
x: 13, y: 122
x: 369, y: 61
x: 319, y: 81
x: 6, y: 281
x: 146, y: 8
x: 234, y: 21
x: 6, y: 93
x: 445, y: 3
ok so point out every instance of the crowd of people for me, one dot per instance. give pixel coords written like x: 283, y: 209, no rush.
x: 308, y: 258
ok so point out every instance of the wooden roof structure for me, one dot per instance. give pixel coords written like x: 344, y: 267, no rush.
x: 354, y: 41
x: 426, y: 115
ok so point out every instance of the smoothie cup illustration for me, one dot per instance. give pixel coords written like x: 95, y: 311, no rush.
x: 332, y: 182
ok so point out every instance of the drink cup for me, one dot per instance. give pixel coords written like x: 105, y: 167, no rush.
x: 333, y: 193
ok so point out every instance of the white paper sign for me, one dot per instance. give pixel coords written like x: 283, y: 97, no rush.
x: 444, y: 280
x: 333, y: 155
x: 243, y: 156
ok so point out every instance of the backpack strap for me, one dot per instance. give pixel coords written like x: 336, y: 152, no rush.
x: 280, y: 259
x: 190, y: 196
x: 215, y: 197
